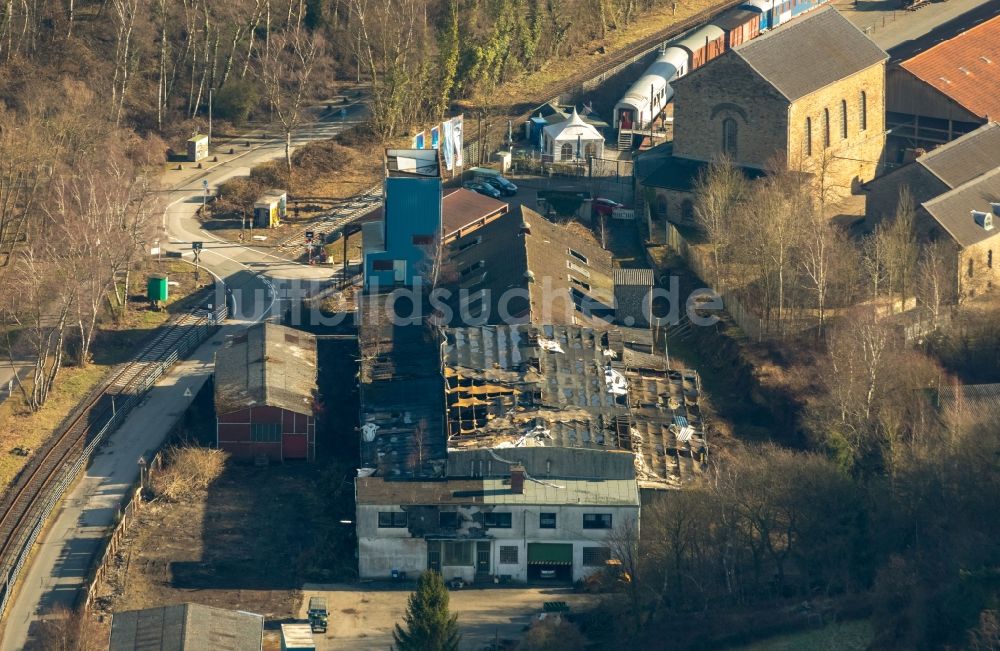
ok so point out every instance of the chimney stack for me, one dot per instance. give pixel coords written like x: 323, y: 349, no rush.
x: 517, y: 479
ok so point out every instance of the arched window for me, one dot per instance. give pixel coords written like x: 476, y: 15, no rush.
x: 809, y: 137
x: 843, y: 119
x: 864, y: 110
x: 566, y: 151
x: 826, y: 127
x: 590, y: 151
x: 729, y: 133
x: 687, y: 210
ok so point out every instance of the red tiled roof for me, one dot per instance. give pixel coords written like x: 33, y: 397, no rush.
x: 965, y: 68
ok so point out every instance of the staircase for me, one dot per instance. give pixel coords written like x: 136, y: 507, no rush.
x: 624, y: 139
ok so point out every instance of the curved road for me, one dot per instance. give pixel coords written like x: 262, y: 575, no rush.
x: 260, y: 282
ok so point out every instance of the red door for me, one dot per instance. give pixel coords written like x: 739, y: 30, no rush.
x: 294, y: 446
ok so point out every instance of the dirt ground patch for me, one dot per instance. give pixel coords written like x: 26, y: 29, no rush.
x: 363, y: 617
x: 249, y: 543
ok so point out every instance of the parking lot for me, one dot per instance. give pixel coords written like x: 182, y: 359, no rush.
x: 363, y: 618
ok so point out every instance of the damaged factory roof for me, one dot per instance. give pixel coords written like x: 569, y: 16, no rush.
x: 566, y: 387
x: 267, y: 365
x: 402, y: 424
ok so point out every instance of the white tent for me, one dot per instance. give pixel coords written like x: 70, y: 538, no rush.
x: 572, y: 139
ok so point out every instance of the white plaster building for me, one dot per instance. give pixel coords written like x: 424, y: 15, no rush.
x: 572, y: 139
x: 531, y: 522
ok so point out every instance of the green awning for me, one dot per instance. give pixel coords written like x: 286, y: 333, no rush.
x: 549, y: 554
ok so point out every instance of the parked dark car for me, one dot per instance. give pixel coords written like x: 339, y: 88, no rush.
x: 505, y: 187
x: 483, y: 188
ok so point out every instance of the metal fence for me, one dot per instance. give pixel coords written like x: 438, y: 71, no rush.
x: 205, y: 324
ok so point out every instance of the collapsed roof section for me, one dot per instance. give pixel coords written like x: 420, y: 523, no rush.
x: 565, y: 387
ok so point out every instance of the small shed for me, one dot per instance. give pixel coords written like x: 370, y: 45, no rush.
x: 282, y: 198
x: 572, y: 139
x: 186, y: 627
x: 267, y: 212
x: 265, y: 394
x: 197, y: 148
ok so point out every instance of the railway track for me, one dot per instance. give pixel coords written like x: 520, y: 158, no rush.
x: 24, y: 507
x: 293, y: 247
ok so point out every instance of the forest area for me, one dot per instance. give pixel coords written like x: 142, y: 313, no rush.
x: 874, y: 500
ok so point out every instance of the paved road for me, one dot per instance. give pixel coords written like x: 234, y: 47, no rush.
x: 261, y: 282
x: 891, y: 27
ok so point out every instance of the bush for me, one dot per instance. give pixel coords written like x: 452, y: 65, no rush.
x: 552, y: 634
x: 235, y: 100
x: 239, y: 193
x: 189, y: 471
x: 271, y: 175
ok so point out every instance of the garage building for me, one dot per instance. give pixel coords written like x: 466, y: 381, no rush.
x: 265, y: 394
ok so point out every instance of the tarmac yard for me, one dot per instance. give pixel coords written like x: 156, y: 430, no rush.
x: 363, y: 617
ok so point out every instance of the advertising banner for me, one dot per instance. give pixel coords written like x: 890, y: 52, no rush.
x: 435, y: 137
x: 448, y: 146
x: 418, y: 141
x: 457, y: 139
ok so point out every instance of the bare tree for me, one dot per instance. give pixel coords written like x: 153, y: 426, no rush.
x: 285, y: 72
x: 718, y: 192
x: 935, y: 286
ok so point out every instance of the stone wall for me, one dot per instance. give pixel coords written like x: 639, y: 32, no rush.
x: 844, y: 163
x: 979, y: 268
x: 883, y: 192
x: 728, y: 88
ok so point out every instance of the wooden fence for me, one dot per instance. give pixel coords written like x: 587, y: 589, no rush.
x: 128, y: 511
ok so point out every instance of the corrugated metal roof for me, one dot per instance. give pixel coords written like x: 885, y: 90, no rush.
x: 953, y: 209
x: 965, y: 158
x: 965, y: 68
x: 268, y: 364
x: 636, y: 277
x: 461, y: 208
x: 810, y: 52
x: 186, y: 627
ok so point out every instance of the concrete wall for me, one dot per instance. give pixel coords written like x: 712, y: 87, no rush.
x: 846, y: 162
x: 382, y: 550
x: 728, y: 88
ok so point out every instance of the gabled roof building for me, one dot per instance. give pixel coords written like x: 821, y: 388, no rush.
x: 266, y: 394
x: 186, y: 627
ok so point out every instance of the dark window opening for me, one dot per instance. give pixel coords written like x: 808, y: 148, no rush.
x: 579, y: 256
x: 843, y: 119
x: 449, y: 519
x: 826, y: 127
x: 423, y: 240
x: 864, y: 110
x: 580, y: 283
x: 382, y: 265
x: 809, y: 137
x: 596, y: 520
x: 494, y: 520
x: 478, y: 264
x: 265, y: 432
x: 596, y: 556
x: 546, y: 520
x: 392, y: 519
x: 729, y: 133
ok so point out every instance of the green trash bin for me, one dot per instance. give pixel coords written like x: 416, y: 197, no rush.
x: 156, y: 288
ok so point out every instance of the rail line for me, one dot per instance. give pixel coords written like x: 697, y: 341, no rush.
x: 26, y: 505
x: 325, y: 225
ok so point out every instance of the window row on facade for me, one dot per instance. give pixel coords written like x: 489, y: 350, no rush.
x: 844, y: 123
x: 491, y: 520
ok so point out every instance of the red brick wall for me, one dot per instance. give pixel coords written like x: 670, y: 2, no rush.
x: 298, y: 434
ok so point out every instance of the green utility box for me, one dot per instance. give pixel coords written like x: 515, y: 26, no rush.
x: 156, y: 288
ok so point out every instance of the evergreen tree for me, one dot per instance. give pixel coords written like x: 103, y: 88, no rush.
x: 429, y: 626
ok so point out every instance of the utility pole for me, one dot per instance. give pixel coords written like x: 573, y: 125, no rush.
x: 210, y: 119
